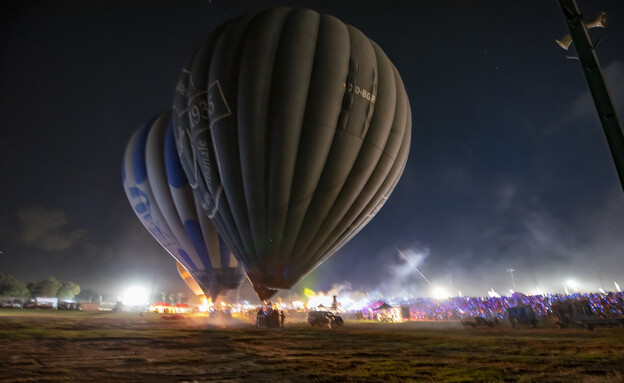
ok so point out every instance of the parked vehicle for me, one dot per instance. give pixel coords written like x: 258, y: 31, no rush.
x: 521, y: 314
x: 324, y: 318
x: 580, y: 313
x: 70, y: 306
x: 11, y: 303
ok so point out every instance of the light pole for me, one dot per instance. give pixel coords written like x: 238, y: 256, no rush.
x: 593, y: 74
x: 513, y: 282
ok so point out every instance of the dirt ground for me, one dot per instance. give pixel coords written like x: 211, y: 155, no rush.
x: 51, y: 346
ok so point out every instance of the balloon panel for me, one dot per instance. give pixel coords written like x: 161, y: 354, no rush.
x: 165, y: 203
x: 190, y: 282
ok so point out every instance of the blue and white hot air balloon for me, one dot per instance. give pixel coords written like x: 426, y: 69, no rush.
x: 166, y: 205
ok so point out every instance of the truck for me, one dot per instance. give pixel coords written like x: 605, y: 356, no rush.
x: 521, y: 314
x: 580, y: 314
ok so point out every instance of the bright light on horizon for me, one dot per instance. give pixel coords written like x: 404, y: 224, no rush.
x: 440, y: 293
x: 537, y: 291
x: 135, y: 296
x: 573, y: 284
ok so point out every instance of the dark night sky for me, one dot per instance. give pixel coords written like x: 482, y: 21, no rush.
x: 508, y: 167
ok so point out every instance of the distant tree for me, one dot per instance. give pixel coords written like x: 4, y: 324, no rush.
x: 11, y: 287
x: 49, y: 287
x: 32, y: 288
x: 68, y: 290
x: 88, y: 295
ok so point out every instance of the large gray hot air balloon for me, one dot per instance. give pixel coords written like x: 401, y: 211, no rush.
x: 164, y: 202
x: 295, y: 129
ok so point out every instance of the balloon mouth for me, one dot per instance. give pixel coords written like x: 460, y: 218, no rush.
x: 215, y: 281
x: 266, y: 285
x: 264, y: 293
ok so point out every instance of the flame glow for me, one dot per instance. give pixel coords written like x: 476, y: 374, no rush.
x: 206, y: 305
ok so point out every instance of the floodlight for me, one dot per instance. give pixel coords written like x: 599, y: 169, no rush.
x: 135, y: 296
x: 440, y: 293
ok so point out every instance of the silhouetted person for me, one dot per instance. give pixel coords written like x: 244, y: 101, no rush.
x: 259, y: 316
x: 274, y: 320
x: 282, y: 318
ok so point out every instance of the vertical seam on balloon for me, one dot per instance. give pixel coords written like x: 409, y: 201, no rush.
x: 361, y: 137
x: 276, y: 247
x: 156, y: 170
x: 349, y: 216
x: 365, y: 214
x: 235, y: 230
x: 307, y: 117
x: 258, y: 229
x: 303, y: 246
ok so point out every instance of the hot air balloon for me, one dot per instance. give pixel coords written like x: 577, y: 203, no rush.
x: 191, y: 283
x: 294, y: 128
x: 162, y: 199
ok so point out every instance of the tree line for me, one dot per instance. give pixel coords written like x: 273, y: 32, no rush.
x: 48, y: 287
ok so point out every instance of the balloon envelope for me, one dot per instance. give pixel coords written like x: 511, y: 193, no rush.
x: 190, y: 282
x: 164, y: 202
x: 294, y: 128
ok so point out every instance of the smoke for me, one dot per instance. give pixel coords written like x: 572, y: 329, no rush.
x: 582, y: 107
x: 347, y: 297
x: 398, y: 281
x: 47, y: 229
x: 413, y: 258
x: 404, y: 274
x: 545, y: 245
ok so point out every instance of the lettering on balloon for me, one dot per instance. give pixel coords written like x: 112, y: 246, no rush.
x: 216, y: 106
x: 206, y: 162
x: 141, y: 205
x: 211, y: 178
x: 199, y: 111
x: 182, y: 88
x: 357, y: 90
x: 204, y: 107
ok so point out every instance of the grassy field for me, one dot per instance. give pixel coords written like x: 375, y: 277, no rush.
x: 55, y: 346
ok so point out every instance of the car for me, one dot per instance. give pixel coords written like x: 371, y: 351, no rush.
x: 17, y: 303
x: 324, y: 318
x: 6, y: 303
x: 11, y: 303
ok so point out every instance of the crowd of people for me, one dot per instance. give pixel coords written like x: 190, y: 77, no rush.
x: 605, y: 305
x: 271, y: 317
x: 610, y: 305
